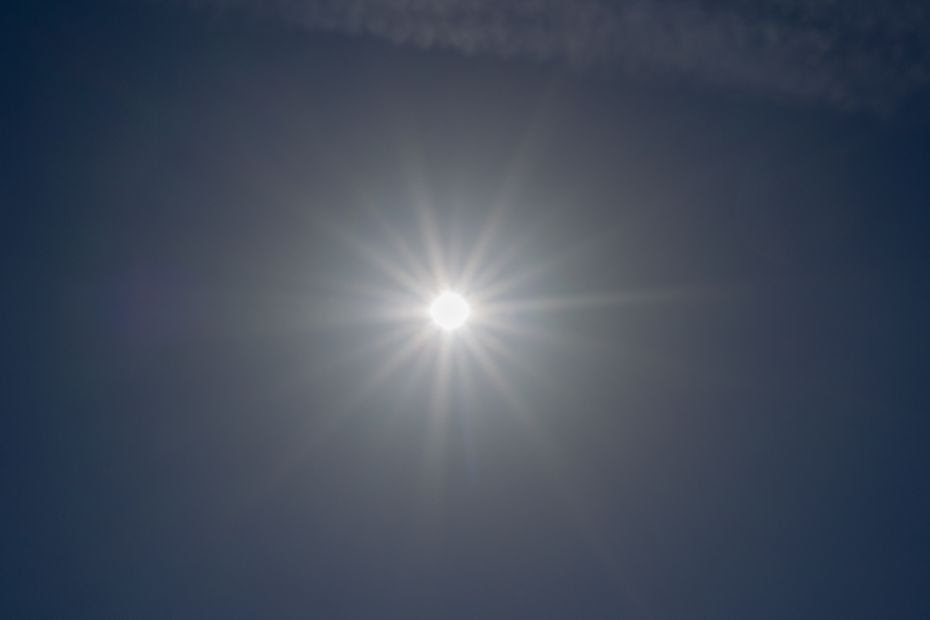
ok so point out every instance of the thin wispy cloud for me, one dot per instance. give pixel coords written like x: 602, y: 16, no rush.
x: 838, y: 52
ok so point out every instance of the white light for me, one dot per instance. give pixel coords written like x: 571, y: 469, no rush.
x: 449, y: 311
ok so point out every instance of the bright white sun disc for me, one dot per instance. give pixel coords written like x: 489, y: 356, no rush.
x: 449, y: 311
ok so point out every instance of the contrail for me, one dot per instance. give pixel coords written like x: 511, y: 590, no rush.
x: 842, y: 53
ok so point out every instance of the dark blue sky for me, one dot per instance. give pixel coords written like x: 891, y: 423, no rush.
x: 719, y: 412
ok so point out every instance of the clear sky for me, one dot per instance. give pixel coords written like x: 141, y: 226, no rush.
x: 693, y: 378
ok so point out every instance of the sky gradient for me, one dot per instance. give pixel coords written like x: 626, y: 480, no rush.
x: 698, y: 388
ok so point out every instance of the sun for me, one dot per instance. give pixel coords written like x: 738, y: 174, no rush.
x: 449, y: 311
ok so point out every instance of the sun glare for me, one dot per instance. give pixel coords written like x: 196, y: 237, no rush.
x: 449, y: 311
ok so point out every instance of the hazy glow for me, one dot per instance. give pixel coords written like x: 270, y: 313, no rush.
x: 449, y: 311
x: 488, y: 284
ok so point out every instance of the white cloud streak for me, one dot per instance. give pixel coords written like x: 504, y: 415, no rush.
x: 850, y: 53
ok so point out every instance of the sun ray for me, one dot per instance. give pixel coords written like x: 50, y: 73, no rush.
x: 383, y: 263
x: 429, y: 233
x: 496, y: 348
x: 374, y: 347
x: 554, y: 460
x: 402, y: 247
x: 493, y: 372
x: 434, y: 467
x: 498, y: 285
x: 510, y: 328
x: 489, y: 269
x: 489, y: 230
x: 580, y: 301
x: 406, y: 350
